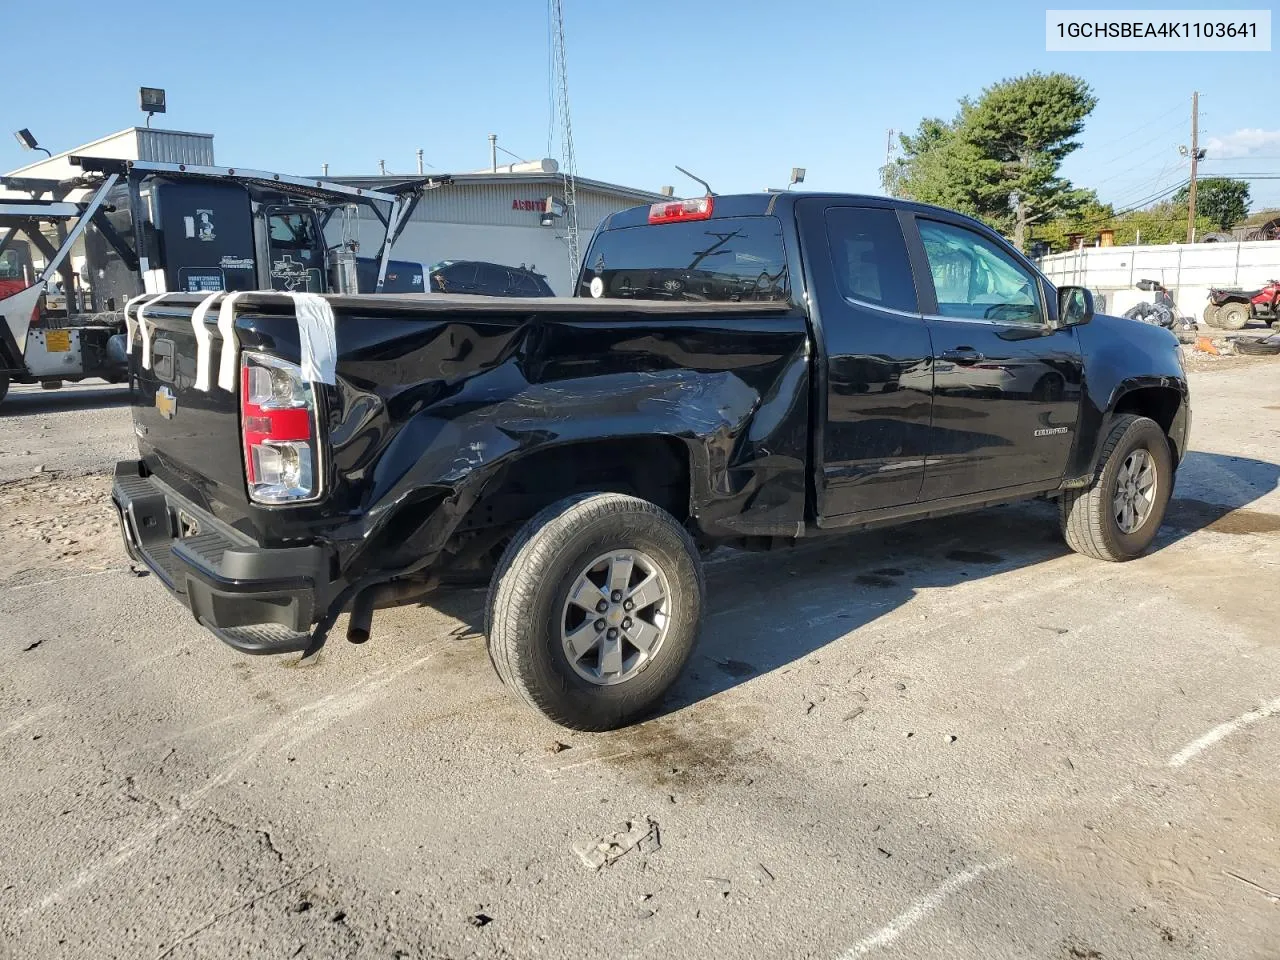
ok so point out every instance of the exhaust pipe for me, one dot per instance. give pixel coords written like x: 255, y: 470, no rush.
x: 360, y: 626
x: 361, y: 616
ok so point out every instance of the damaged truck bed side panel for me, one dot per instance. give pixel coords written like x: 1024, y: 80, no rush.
x: 431, y: 410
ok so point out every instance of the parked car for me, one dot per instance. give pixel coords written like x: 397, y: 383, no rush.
x: 1232, y: 308
x: 901, y: 361
x: 478, y: 277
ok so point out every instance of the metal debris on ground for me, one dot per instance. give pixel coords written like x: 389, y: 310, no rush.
x: 479, y: 919
x: 640, y: 833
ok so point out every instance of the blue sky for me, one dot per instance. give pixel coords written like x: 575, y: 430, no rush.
x: 737, y: 92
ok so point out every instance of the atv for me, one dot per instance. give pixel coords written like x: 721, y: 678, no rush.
x: 1231, y: 309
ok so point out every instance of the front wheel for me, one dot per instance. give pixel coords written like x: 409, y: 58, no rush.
x: 1118, y: 515
x: 1233, y: 316
x: 594, y: 609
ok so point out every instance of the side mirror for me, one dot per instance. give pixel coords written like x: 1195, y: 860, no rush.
x: 1075, y: 306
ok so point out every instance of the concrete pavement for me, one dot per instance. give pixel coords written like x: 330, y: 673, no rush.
x: 952, y: 739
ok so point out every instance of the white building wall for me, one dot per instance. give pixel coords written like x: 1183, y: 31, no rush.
x: 428, y: 243
x: 477, y: 221
x: 1188, y: 270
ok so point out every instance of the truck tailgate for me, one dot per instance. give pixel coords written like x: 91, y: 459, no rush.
x: 188, y: 437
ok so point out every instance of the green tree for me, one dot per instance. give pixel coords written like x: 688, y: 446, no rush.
x: 998, y: 159
x: 1224, y: 201
x: 1164, y: 222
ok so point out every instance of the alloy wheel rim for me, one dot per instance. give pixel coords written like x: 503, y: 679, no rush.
x: 1135, y: 495
x: 616, y: 617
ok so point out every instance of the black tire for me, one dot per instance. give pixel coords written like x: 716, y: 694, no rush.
x: 1265, y: 347
x: 1211, y: 314
x: 4, y: 386
x: 1089, y: 523
x: 1233, y: 316
x: 525, y: 615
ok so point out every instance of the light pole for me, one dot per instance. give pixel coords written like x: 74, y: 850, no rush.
x: 28, y: 141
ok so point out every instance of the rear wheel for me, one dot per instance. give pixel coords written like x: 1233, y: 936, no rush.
x: 1117, y: 517
x: 1211, y: 315
x: 594, y: 609
x: 1233, y: 316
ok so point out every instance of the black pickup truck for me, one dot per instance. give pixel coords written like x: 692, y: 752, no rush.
x: 744, y: 370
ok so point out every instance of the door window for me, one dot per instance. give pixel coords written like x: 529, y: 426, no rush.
x: 524, y: 285
x: 459, y: 277
x: 869, y: 257
x: 296, y: 253
x: 492, y: 280
x: 976, y: 280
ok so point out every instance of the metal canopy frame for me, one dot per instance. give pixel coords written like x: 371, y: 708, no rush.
x: 402, y: 198
x: 25, y: 216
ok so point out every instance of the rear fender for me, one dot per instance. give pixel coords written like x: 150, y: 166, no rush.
x: 746, y: 452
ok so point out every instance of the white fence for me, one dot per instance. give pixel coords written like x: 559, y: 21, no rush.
x: 1187, y: 269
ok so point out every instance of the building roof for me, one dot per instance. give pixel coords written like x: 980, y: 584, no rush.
x: 377, y: 181
x: 88, y: 148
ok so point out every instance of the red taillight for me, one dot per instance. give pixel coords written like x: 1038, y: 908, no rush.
x: 673, y: 211
x: 277, y: 418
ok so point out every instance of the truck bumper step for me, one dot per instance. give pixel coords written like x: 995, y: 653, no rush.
x: 261, y: 638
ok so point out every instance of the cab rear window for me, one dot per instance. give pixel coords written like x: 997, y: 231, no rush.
x: 726, y: 259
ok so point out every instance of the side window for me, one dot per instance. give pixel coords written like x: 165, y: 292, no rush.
x: 459, y: 277
x: 523, y: 285
x: 976, y: 280
x: 492, y: 280
x: 869, y: 257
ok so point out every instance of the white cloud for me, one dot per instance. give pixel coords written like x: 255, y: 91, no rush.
x: 1245, y: 142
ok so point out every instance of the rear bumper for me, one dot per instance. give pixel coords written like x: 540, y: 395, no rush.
x: 257, y: 600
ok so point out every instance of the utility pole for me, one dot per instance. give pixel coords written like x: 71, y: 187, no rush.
x: 888, y: 148
x: 1195, y: 159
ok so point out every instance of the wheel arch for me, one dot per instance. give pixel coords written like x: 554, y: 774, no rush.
x: 1166, y: 404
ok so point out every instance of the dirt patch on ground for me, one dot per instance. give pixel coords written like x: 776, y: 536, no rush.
x: 1200, y: 515
x: 50, y: 522
x: 1197, y: 360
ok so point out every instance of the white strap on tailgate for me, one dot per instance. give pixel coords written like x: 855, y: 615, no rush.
x: 130, y: 320
x: 146, y: 328
x: 317, y: 339
x: 227, y: 330
x: 204, y: 342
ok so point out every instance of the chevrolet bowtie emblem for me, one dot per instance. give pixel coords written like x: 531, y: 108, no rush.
x: 166, y: 403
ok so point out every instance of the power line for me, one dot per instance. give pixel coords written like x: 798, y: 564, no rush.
x: 1145, y: 202
x: 1145, y: 126
x: 1147, y: 146
x: 1130, y: 195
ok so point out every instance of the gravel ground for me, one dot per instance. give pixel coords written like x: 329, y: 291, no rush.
x: 952, y: 739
